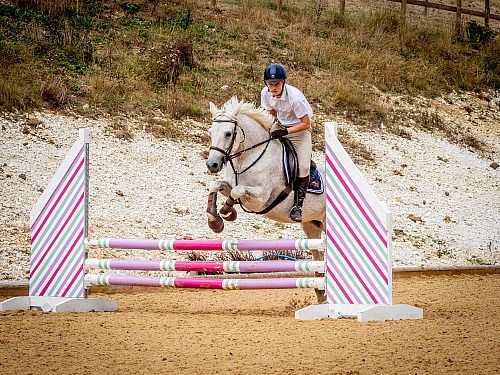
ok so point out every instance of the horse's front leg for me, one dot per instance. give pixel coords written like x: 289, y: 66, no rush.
x: 227, y: 211
x: 255, y: 194
x: 220, y: 186
x: 214, y: 220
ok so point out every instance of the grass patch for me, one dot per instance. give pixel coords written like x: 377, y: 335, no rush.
x: 178, y: 55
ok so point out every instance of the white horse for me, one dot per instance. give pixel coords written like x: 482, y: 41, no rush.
x: 255, y: 177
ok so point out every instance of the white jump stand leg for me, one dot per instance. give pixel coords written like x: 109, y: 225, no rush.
x: 313, y: 312
x: 58, y: 304
x: 363, y: 313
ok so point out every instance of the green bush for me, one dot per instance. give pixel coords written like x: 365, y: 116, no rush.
x: 478, y: 35
x: 181, y: 21
x: 130, y: 8
x: 194, y: 111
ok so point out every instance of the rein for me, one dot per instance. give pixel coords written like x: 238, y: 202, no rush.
x: 229, y: 158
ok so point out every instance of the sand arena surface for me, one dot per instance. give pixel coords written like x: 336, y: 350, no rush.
x: 254, y: 332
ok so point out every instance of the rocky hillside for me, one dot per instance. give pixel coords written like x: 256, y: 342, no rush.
x: 443, y: 195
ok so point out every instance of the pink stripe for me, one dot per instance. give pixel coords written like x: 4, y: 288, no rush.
x: 33, y: 237
x: 70, y: 285
x: 346, y: 295
x: 56, y: 190
x: 356, y: 188
x: 353, y: 197
x: 198, y: 283
x: 199, y: 266
x: 57, y: 235
x: 384, y: 277
x: 56, y: 272
x: 353, y: 269
x: 336, y: 269
x: 197, y: 245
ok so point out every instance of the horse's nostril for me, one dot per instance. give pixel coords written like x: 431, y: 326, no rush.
x: 213, y: 167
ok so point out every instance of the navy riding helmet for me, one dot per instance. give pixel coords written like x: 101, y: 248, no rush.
x: 274, y: 73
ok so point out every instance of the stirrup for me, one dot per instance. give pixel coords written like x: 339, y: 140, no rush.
x: 296, y: 214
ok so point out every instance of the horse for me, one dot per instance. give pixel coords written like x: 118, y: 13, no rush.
x: 240, y: 135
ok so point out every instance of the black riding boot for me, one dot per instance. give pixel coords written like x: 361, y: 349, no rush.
x: 300, y: 193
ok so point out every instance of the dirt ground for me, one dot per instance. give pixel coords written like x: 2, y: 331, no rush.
x: 254, y: 332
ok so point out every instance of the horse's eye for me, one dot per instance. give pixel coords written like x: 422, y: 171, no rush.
x: 228, y: 134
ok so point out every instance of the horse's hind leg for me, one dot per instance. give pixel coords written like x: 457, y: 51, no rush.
x: 314, y: 229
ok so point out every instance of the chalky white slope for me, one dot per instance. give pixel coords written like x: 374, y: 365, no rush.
x: 444, y: 199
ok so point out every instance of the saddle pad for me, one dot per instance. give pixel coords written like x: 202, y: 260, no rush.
x: 316, y: 184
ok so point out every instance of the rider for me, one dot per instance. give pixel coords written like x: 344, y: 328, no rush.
x: 294, y: 115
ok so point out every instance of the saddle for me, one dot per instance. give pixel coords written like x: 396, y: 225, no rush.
x: 290, y: 162
x: 291, y: 169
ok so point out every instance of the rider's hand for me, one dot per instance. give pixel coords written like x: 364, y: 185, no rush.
x: 279, y: 133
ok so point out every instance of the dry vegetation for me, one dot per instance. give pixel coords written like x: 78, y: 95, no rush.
x: 143, y: 55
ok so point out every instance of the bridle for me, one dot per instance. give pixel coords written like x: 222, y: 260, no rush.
x: 228, y: 157
x: 226, y: 153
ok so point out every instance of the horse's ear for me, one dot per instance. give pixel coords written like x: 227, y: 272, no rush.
x: 236, y: 106
x: 213, y: 108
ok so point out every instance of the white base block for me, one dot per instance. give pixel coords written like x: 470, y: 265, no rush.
x: 58, y: 304
x: 364, y: 313
x: 312, y: 312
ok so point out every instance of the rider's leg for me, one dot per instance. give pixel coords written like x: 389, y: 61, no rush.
x: 300, y: 194
x: 302, y: 143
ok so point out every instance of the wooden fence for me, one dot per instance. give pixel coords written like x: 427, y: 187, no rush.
x: 458, y: 10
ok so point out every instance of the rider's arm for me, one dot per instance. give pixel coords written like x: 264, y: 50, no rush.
x: 304, y: 124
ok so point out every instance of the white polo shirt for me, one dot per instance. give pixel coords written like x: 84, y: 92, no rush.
x: 289, y: 108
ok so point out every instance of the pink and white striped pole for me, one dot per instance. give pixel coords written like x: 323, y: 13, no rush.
x: 229, y: 284
x: 207, y: 266
x: 206, y: 245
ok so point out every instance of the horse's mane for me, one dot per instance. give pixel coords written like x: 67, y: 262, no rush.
x: 262, y: 116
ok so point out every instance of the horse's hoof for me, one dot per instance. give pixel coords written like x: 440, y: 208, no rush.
x: 230, y: 215
x: 217, y: 224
